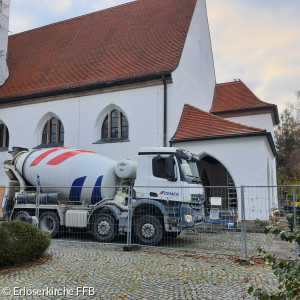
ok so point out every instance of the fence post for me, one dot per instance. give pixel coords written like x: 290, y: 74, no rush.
x: 295, y: 220
x: 243, y: 227
x: 37, y: 198
x: 129, y: 222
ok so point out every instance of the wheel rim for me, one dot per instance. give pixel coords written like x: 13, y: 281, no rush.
x: 22, y: 218
x: 148, y: 230
x: 104, y: 228
x: 47, y: 224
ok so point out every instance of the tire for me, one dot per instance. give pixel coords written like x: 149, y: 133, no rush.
x: 148, y: 230
x: 22, y: 216
x: 49, y: 222
x: 104, y: 228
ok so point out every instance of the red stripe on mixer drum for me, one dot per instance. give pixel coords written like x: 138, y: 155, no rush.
x: 44, y: 155
x: 63, y: 157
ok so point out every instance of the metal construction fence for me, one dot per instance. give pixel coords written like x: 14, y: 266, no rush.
x: 219, y: 220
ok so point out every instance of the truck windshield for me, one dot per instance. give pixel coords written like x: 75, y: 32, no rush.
x: 189, y: 170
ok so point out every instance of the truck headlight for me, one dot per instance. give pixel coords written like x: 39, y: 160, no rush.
x: 188, y: 218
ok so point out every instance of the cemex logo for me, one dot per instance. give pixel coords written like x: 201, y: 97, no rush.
x: 169, y: 193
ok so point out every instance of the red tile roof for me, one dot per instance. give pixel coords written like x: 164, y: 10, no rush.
x: 136, y: 39
x: 235, y: 95
x: 196, y: 124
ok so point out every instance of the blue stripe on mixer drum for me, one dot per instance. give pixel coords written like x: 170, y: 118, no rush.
x: 96, y: 196
x: 76, y: 189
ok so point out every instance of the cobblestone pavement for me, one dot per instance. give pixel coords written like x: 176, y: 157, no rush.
x: 148, y: 273
x: 225, y: 242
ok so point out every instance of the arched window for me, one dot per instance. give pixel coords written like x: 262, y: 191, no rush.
x: 114, y: 127
x: 53, y: 133
x: 4, y: 136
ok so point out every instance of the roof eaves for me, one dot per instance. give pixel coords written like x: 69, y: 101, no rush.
x: 248, y: 109
x: 272, y: 144
x: 230, y: 136
x: 87, y: 87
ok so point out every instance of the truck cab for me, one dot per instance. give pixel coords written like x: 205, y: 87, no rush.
x: 169, y: 188
x: 168, y: 174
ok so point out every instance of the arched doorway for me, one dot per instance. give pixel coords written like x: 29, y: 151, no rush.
x: 219, y: 183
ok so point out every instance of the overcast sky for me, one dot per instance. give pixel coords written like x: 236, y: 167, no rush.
x: 257, y: 41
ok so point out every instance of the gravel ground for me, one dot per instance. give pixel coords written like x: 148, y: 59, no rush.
x: 107, y: 272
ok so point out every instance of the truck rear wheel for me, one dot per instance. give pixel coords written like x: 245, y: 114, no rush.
x: 22, y: 216
x: 49, y: 222
x: 148, y: 230
x: 104, y: 228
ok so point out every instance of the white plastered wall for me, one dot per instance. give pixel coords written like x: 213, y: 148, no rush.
x: 263, y: 121
x: 82, y: 120
x: 248, y: 160
x: 194, y: 79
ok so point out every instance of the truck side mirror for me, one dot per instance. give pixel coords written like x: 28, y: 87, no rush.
x: 169, y: 165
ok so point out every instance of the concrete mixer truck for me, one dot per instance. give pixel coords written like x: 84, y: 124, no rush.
x: 68, y: 188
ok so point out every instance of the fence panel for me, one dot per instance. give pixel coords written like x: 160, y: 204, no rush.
x: 219, y: 232
x: 221, y: 222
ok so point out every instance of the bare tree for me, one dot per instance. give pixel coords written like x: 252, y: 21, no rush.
x: 287, y: 139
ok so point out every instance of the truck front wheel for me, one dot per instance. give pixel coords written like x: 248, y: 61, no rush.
x: 22, y: 216
x: 104, y: 228
x: 148, y: 230
x: 49, y: 222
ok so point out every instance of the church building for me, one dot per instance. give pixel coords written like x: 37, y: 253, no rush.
x: 135, y: 75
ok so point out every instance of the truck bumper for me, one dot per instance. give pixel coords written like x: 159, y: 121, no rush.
x: 187, y: 216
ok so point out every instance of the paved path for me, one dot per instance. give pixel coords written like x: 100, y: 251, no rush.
x: 149, y: 273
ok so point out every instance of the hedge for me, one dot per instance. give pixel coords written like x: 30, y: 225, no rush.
x: 21, y: 242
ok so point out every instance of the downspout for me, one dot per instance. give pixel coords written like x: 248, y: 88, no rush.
x: 165, y: 111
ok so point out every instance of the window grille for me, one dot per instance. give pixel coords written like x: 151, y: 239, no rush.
x: 53, y: 132
x: 115, y: 126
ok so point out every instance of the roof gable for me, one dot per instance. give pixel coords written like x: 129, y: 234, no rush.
x: 136, y: 39
x: 236, y: 98
x: 198, y: 124
x: 235, y: 95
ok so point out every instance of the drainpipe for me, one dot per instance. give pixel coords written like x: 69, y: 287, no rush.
x: 165, y: 111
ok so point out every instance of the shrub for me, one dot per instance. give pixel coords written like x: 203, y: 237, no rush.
x: 287, y: 272
x: 21, y: 242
